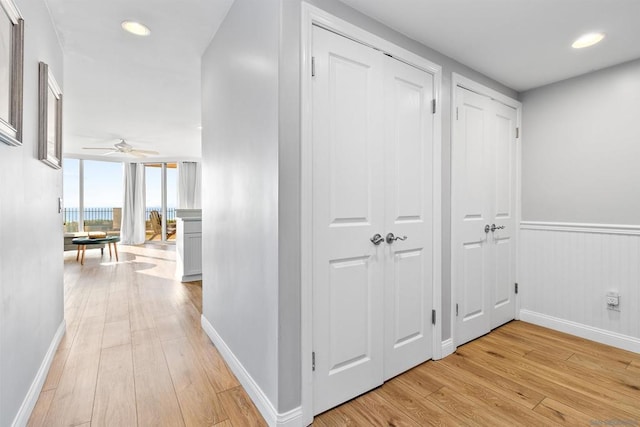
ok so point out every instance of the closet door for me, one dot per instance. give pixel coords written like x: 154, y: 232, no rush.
x: 372, y: 175
x: 503, y: 210
x: 483, y: 214
x: 408, y: 174
x: 471, y: 273
x: 348, y: 187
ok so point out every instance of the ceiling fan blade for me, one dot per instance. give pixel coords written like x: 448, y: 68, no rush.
x: 97, y: 148
x: 111, y: 152
x: 136, y: 153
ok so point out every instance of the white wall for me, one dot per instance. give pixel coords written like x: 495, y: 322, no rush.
x: 581, y: 149
x: 240, y: 187
x: 580, y: 171
x: 565, y: 276
x: 31, y: 256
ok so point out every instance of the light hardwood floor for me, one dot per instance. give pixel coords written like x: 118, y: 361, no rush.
x: 134, y: 354
x: 519, y: 374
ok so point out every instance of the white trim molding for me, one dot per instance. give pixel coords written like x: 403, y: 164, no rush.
x: 29, y: 402
x: 581, y: 227
x: 447, y: 348
x: 458, y: 80
x: 292, y: 418
x: 311, y: 16
x: 583, y: 331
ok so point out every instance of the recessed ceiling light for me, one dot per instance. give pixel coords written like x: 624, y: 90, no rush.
x: 587, y: 40
x: 136, y: 28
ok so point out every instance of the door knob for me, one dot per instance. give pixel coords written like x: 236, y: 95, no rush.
x: 487, y: 228
x: 391, y: 238
x: 377, y: 239
x: 494, y: 228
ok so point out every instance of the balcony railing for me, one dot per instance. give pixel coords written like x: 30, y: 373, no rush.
x: 103, y: 219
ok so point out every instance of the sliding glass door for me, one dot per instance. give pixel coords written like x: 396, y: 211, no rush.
x: 161, y: 200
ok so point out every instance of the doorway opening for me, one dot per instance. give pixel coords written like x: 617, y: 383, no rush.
x: 161, y: 200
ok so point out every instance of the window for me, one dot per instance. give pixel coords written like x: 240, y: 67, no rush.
x: 71, y: 195
x: 103, y: 196
x: 93, y: 194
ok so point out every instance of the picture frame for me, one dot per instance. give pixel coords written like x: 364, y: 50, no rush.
x: 49, y: 118
x: 11, y: 73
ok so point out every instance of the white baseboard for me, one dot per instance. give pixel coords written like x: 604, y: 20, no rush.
x: 613, y: 339
x: 191, y: 277
x: 447, y: 347
x: 291, y: 418
x: 29, y: 402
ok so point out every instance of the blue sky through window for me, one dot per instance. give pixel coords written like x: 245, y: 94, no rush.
x: 103, y: 184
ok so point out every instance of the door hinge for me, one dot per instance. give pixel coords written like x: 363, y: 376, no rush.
x: 313, y: 361
x: 313, y: 66
x: 516, y: 287
x: 517, y: 132
x: 457, y: 113
x: 456, y: 309
x: 433, y: 106
x: 433, y: 317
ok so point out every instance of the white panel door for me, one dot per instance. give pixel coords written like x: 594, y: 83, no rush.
x: 348, y: 186
x: 471, y: 275
x: 503, y: 175
x: 408, y: 212
x: 483, y: 214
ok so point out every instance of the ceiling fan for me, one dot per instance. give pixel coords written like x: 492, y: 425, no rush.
x: 124, y: 148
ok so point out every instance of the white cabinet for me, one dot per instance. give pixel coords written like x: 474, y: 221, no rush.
x: 189, y: 248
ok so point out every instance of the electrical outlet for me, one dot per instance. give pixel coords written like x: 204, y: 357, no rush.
x: 613, y: 301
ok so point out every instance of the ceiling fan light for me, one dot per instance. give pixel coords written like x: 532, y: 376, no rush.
x: 136, y: 28
x: 587, y: 40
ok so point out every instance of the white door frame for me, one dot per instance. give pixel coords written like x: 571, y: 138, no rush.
x: 458, y: 80
x: 311, y: 16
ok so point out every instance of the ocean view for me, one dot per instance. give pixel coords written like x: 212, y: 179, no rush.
x: 106, y: 214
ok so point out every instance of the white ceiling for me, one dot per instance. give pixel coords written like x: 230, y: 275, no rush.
x: 147, y: 90
x: 143, y: 89
x: 521, y: 43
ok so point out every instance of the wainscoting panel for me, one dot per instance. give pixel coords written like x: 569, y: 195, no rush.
x: 566, y: 271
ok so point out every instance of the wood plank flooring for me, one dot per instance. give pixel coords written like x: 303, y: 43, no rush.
x: 519, y: 374
x: 134, y: 355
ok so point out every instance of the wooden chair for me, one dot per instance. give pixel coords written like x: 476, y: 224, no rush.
x: 156, y: 224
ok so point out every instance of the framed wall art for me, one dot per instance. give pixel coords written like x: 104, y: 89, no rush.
x: 49, y: 119
x: 11, y: 73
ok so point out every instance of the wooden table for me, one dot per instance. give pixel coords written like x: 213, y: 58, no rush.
x: 83, y: 242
